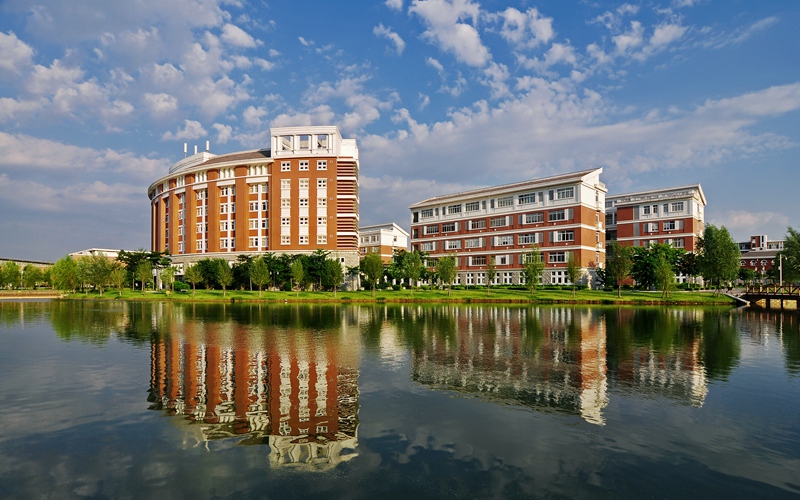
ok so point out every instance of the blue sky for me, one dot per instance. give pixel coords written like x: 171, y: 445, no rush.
x: 97, y: 99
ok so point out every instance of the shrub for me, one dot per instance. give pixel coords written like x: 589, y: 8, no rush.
x: 180, y: 285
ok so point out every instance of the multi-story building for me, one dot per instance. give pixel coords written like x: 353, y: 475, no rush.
x: 759, y: 253
x: 299, y: 195
x: 382, y: 239
x: 563, y: 215
x: 670, y: 215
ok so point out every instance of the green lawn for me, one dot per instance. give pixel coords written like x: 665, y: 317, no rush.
x: 473, y: 295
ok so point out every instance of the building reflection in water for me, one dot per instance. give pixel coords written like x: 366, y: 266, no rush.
x: 292, y: 388
x: 556, y: 359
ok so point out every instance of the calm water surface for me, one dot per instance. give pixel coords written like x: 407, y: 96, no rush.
x: 196, y: 401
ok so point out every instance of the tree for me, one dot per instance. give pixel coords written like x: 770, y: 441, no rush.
x: 619, y: 263
x: 791, y: 256
x: 532, y: 268
x: 664, y: 275
x: 144, y: 273
x: 372, y: 266
x: 645, y: 259
x: 298, y: 275
x: 241, y: 271
x: 65, y: 274
x: 719, y: 256
x: 11, y: 274
x: 224, y: 274
x: 168, y: 277
x: 574, y: 271
x: 446, y: 267
x: 259, y: 273
x: 333, y: 276
x: 491, y: 273
x: 406, y: 266
x: 96, y: 270
x: 31, y: 276
x: 690, y: 266
x: 193, y: 275
x: 132, y: 259
x: 747, y: 275
x: 118, y: 277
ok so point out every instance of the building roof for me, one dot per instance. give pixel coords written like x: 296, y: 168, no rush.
x: 387, y: 225
x: 532, y: 183
x: 657, y: 194
x: 239, y: 156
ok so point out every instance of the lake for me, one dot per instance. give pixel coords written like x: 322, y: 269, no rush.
x: 169, y: 400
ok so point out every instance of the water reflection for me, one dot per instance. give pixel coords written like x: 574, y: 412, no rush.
x: 271, y: 376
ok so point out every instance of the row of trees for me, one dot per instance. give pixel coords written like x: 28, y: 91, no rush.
x: 284, y: 271
x: 655, y: 266
x: 13, y: 276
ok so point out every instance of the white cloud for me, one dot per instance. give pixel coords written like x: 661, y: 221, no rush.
x: 394, y: 4
x: 192, y: 130
x: 15, y: 55
x: 525, y: 29
x: 305, y: 42
x: 495, y: 78
x: 744, y: 223
x: 166, y: 75
x: 399, y: 44
x: 445, y: 29
x: 629, y: 41
x: 224, y: 132
x: 236, y: 36
x: 11, y: 109
x: 722, y: 40
x: 557, y: 54
x: 320, y: 114
x: 424, y: 101
x: 613, y: 20
x: 433, y: 63
x: 252, y: 115
x: 160, y: 104
x: 264, y: 64
x: 46, y: 80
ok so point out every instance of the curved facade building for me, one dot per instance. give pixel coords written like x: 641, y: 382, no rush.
x: 297, y: 196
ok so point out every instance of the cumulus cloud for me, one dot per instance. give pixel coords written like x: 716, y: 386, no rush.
x: 742, y: 223
x: 394, y: 4
x: 224, y: 132
x: 524, y: 29
x: 236, y: 36
x: 160, y: 104
x: 264, y: 64
x: 15, y: 55
x: 315, y: 116
x: 252, y: 115
x: 191, y: 130
x: 399, y: 44
x: 445, y: 28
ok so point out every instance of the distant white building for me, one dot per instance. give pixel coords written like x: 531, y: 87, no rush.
x: 382, y: 239
x: 106, y: 252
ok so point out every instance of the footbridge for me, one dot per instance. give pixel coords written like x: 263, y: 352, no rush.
x: 773, y: 296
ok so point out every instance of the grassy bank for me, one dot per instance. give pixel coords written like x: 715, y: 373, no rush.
x: 458, y: 296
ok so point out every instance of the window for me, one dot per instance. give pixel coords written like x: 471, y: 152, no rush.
x: 431, y: 229
x: 254, y: 242
x: 322, y: 221
x: 505, y: 240
x: 286, y: 166
x: 322, y: 202
x: 322, y: 164
x: 180, y: 214
x: 473, y: 243
x: 304, y: 240
x: 526, y: 239
x: 651, y: 227
x: 322, y: 239
x: 303, y: 184
x: 498, y: 222
x: 321, y: 183
x: 556, y: 215
x: 227, y: 191
x: 254, y: 206
x: 565, y: 235
x: 253, y: 224
x: 286, y: 221
x: 227, y: 225
x: 556, y: 257
x: 534, y: 218
x: 646, y: 210
x: 472, y: 206
x: 428, y: 246
x: 322, y: 141
x: 478, y: 224
x: 223, y: 209
x: 565, y: 193
x: 303, y: 202
x: 286, y: 183
x: 479, y: 260
x: 677, y: 243
x: 303, y: 221
x: 285, y: 240
x: 199, y: 245
x: 201, y: 211
x: 223, y: 243
x: 454, y: 209
x: 201, y: 195
x: 677, y: 207
x: 428, y: 212
x: 303, y: 165
x: 525, y: 199
x: 286, y: 202
x: 506, y: 201
x: 252, y: 188
x: 449, y: 227
x: 669, y: 225
x: 655, y: 209
x: 285, y: 143
x: 202, y: 227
